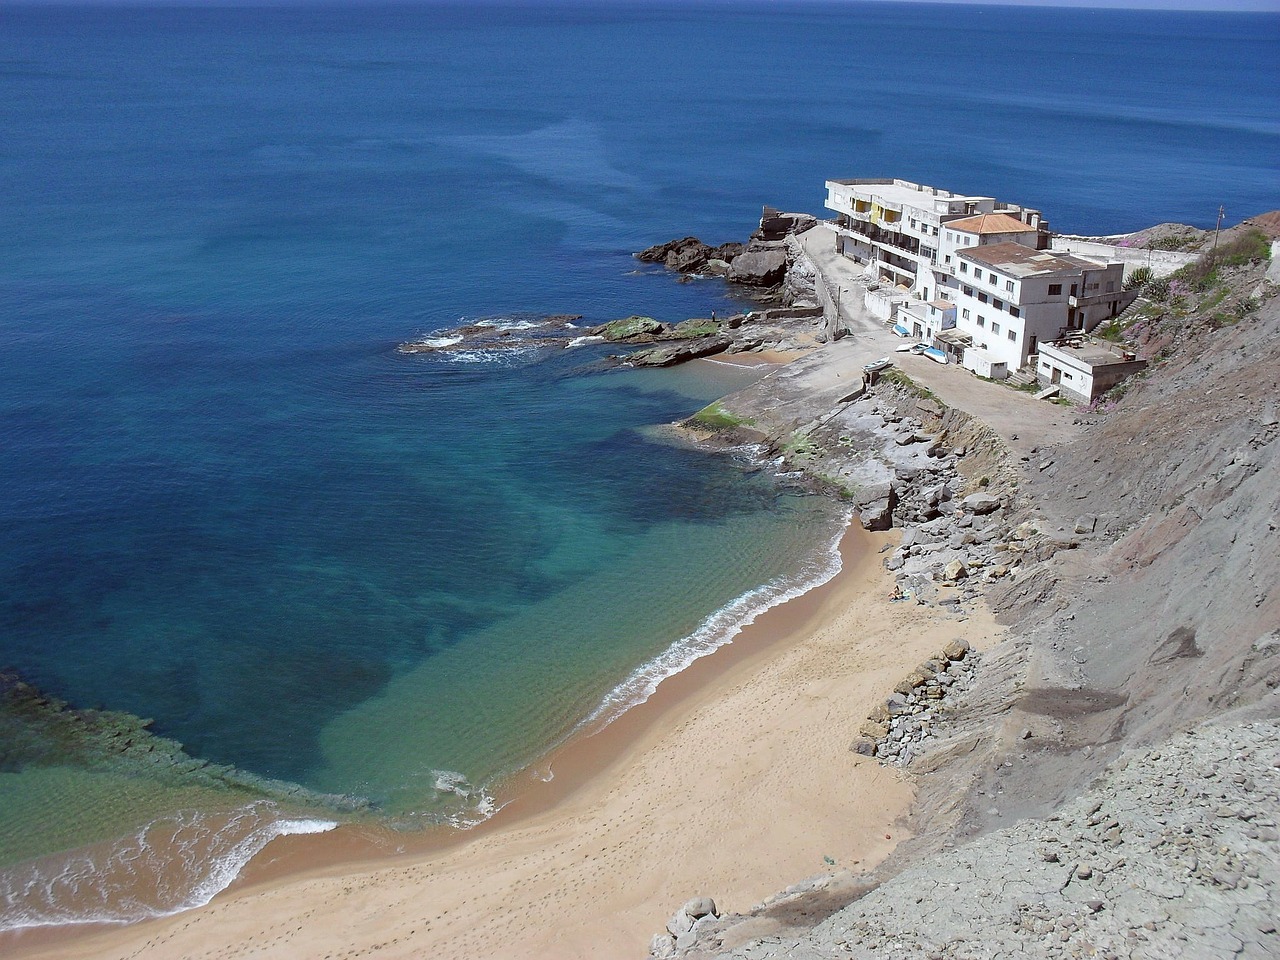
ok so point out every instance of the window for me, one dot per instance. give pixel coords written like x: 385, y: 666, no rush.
x: 947, y: 259
x: 1015, y: 312
x: 982, y: 298
x: 965, y: 313
x: 1055, y: 289
x: 977, y: 274
x: 1013, y: 335
x: 1008, y: 285
x: 964, y: 267
x: 995, y: 328
x: 968, y: 291
x: 1073, y: 290
x: 998, y: 304
x: 982, y: 321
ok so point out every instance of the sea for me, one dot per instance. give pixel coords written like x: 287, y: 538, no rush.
x: 379, y: 585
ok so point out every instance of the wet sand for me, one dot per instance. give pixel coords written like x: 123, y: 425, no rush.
x: 733, y: 781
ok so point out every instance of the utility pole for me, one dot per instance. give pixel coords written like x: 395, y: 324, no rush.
x: 1222, y: 212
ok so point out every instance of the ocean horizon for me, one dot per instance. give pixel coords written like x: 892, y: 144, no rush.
x: 374, y: 585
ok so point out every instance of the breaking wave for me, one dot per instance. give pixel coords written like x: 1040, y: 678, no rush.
x: 717, y: 630
x: 170, y: 865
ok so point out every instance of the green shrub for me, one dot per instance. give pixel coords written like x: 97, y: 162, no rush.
x: 1138, y: 278
x: 1158, y: 289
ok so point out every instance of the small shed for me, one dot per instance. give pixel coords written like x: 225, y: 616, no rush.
x: 954, y: 344
x: 984, y: 364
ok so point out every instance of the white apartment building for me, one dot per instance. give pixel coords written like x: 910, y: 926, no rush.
x: 896, y: 228
x: 1010, y: 298
x: 989, y: 259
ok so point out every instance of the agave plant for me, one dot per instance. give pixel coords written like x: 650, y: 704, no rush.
x: 1138, y: 278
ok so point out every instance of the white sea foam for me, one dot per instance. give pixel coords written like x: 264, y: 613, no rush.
x: 479, y: 804
x: 580, y: 341
x: 718, y: 629
x: 440, y: 342
x: 172, y: 864
x: 506, y: 323
x: 501, y: 357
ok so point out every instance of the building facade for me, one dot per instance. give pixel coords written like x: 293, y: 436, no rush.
x: 1010, y: 298
x: 969, y: 272
x: 896, y: 228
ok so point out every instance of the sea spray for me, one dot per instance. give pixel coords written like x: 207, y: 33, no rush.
x: 172, y: 864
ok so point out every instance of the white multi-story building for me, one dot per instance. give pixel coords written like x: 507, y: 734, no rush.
x: 1010, y: 298
x: 989, y: 260
x: 896, y: 228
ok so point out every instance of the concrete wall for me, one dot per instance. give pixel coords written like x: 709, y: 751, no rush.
x: 1162, y: 262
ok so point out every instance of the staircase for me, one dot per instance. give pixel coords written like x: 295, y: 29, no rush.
x: 1023, y: 376
x: 1123, y: 318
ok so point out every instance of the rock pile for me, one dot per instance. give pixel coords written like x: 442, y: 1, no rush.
x: 896, y: 730
x: 691, y: 255
x: 684, y: 928
x: 761, y: 263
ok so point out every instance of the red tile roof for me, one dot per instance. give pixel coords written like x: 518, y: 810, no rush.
x: 990, y: 223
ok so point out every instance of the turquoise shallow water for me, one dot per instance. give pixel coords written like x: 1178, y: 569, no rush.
x: 232, y: 507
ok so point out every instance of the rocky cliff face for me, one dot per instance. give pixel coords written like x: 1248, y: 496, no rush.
x: 1164, y: 619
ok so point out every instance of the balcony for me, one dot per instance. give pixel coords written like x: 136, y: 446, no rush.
x: 869, y: 233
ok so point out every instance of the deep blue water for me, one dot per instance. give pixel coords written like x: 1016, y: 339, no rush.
x: 231, y: 506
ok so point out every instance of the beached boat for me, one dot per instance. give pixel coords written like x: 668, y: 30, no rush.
x: 934, y: 354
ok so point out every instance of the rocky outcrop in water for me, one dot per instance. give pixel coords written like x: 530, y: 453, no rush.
x: 38, y: 730
x: 691, y: 255
x: 632, y: 329
x: 761, y: 265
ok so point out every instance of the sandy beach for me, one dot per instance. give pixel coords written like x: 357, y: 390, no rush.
x: 733, y: 781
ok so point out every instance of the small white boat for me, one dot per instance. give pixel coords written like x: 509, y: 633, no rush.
x: 875, y: 366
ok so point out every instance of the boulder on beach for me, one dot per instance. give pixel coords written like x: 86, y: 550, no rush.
x: 981, y: 503
x: 759, y: 268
